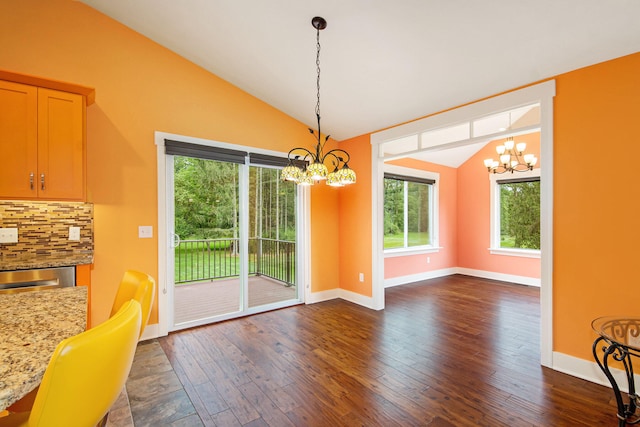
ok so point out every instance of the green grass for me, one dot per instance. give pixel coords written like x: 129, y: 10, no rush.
x: 392, y: 241
x: 510, y: 242
x: 190, y: 265
x: 507, y: 242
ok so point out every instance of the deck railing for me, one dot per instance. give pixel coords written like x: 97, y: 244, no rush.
x: 209, y: 259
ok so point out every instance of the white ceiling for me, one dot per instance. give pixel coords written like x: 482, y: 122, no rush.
x: 383, y: 62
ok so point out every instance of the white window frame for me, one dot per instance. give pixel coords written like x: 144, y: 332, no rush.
x: 495, y: 248
x: 434, y: 209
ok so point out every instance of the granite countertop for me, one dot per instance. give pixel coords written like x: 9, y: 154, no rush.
x: 32, y: 324
x: 31, y: 261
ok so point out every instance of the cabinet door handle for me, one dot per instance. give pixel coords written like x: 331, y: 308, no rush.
x: 31, y: 181
x: 42, y: 181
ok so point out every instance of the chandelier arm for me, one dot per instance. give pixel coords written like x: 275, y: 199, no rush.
x: 521, y: 167
x: 515, y: 154
x: 338, y: 158
x: 297, y: 157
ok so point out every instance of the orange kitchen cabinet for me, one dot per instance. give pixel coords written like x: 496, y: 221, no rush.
x: 18, y: 139
x: 42, y: 143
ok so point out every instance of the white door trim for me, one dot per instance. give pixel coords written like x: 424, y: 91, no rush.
x: 542, y: 93
x: 165, y: 212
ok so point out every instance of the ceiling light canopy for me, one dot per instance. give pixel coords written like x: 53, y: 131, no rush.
x: 307, y: 167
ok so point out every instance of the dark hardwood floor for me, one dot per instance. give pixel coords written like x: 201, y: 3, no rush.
x: 454, y: 351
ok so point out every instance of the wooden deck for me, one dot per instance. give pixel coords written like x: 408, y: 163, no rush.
x: 207, y: 299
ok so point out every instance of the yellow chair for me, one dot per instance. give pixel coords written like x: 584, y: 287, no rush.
x: 85, y: 374
x: 137, y: 286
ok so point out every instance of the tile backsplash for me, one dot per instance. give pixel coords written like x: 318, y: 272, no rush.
x: 43, y: 227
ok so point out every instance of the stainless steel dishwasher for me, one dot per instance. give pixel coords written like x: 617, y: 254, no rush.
x: 36, y: 279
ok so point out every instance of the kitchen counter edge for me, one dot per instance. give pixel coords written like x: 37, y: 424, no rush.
x: 44, y: 261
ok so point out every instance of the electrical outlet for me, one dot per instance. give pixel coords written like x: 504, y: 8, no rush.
x: 8, y: 235
x: 145, y: 231
x: 74, y: 233
x: 362, y: 277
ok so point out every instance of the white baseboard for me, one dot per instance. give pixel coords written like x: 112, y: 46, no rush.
x: 150, y: 332
x: 403, y: 280
x: 353, y: 297
x: 590, y: 371
x: 315, y: 297
x: 521, y: 280
x: 357, y: 298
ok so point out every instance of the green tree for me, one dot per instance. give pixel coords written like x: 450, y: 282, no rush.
x: 418, y: 213
x: 206, y: 201
x: 393, y: 206
x: 272, y: 206
x: 520, y: 215
x: 205, y: 198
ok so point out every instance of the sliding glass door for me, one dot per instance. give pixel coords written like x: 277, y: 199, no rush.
x: 208, y: 257
x: 234, y: 227
x: 272, y: 238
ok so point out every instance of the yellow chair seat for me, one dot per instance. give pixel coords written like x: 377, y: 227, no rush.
x: 85, y: 374
x: 137, y: 286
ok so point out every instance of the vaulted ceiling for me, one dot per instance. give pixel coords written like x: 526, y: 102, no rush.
x: 383, y: 62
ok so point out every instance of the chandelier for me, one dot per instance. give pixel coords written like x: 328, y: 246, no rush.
x: 306, y: 167
x: 512, y: 158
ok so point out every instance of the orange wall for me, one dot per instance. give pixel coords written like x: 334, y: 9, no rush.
x: 596, y: 202
x: 446, y: 257
x: 474, y: 213
x: 595, y: 219
x: 596, y: 199
x: 354, y: 238
x: 141, y: 88
x: 324, y: 235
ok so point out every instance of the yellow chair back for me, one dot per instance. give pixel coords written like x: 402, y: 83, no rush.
x: 137, y: 286
x: 86, y: 374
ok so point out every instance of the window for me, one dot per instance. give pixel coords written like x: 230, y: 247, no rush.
x: 516, y: 214
x: 409, y: 202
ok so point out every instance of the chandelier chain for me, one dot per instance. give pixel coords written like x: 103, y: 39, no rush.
x: 307, y: 167
x: 318, y: 72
